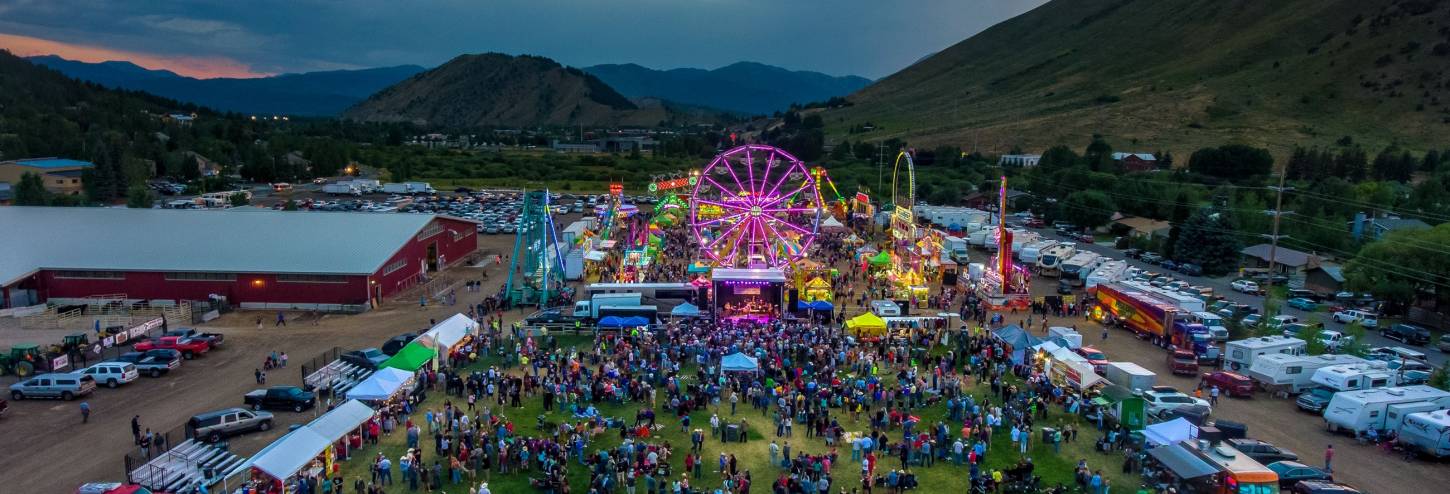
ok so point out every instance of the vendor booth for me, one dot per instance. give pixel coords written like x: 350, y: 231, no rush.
x: 866, y: 326
x: 1066, y: 366
x: 411, y: 357
x: 340, y: 424
x: 1018, y: 340
x: 1170, y: 432
x: 452, y: 338
x: 817, y: 289
x: 383, y: 385
x: 685, y: 310
x: 300, y: 453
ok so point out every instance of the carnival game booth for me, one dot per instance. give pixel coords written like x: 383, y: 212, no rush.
x: 866, y: 327
x: 748, y: 294
x: 817, y: 289
x: 1065, y: 366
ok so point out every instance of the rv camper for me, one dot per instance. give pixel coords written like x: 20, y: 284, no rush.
x: 1427, y: 432
x: 1240, y: 354
x: 1292, y: 373
x: 1369, y: 409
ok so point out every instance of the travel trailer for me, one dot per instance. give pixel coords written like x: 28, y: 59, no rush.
x: 1427, y: 432
x: 1292, y: 373
x: 1370, y: 409
x: 1240, y: 354
x: 1354, y: 377
x: 1032, y: 252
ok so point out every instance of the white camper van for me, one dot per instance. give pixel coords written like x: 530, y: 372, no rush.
x: 1051, y: 259
x: 1293, y: 373
x: 1032, y: 252
x: 1240, y: 354
x: 1428, y: 432
x: 1369, y: 409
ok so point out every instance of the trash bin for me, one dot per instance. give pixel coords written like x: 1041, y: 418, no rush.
x: 732, y: 433
x: 1047, y: 433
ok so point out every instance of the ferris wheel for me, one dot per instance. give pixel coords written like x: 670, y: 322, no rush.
x: 755, y: 206
x: 903, y: 197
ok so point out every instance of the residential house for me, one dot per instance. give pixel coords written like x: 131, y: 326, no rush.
x: 1286, y: 261
x: 1325, y: 280
x: 1139, y: 227
x: 61, y: 176
x: 1136, y: 162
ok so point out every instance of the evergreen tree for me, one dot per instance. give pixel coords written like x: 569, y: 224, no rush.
x: 1088, y: 209
x: 31, y: 191
x: 1298, y: 167
x: 139, y: 197
x: 1180, y: 215
x: 1351, y: 164
x: 1430, y: 162
x: 1099, y: 155
x: 1208, y: 240
x: 1056, y: 158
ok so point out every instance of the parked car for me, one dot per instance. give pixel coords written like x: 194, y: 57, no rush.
x: 1097, y: 358
x: 213, y: 340
x: 1281, y: 320
x: 1261, y: 451
x: 1183, y: 363
x: 189, y: 348
x: 1250, y: 321
x: 1314, y: 399
x: 1366, y: 319
x: 1303, y: 304
x: 1408, y: 333
x: 1229, y: 383
x: 367, y: 358
x: 1132, y: 253
x: 396, y: 343
x: 1151, y: 258
x: 1169, y: 265
x: 217, y: 425
x: 150, y: 365
x: 63, y: 386
x: 1190, y: 269
x: 1159, y: 401
x: 280, y: 398
x: 1245, y: 286
x: 1444, y: 344
x: 1292, y: 472
x: 112, y: 374
x: 1396, y: 354
x: 551, y: 315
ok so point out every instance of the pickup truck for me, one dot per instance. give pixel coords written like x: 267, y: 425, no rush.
x: 151, y: 365
x: 189, y: 348
x: 213, y: 340
x: 280, y: 398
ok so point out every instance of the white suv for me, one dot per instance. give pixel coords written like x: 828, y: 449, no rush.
x: 1366, y: 319
x: 112, y: 374
x: 1159, y: 401
x: 1244, y: 286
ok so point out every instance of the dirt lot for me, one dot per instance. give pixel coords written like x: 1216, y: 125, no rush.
x: 1277, y: 421
x: 46, y: 449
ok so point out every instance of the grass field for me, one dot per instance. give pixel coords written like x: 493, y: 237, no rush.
x: 753, y: 455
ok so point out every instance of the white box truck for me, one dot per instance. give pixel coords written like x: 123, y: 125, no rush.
x: 340, y: 189
x: 1293, y: 373
x: 1130, y: 375
x: 1240, y: 354
x: 420, y: 188
x: 588, y: 310
x: 1363, y: 410
x: 1427, y: 432
x: 395, y: 188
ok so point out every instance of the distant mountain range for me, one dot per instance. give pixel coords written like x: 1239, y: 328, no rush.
x: 1175, y: 75
x: 310, y: 93
x: 498, y: 90
x: 743, y: 87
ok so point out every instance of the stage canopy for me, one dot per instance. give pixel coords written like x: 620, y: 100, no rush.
x: 411, y: 357
x: 735, y: 274
x: 739, y: 362
x: 685, y: 310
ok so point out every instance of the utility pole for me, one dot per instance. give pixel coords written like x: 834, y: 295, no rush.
x: 880, y: 162
x: 1274, y: 237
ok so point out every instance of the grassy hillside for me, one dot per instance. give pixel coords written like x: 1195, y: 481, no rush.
x: 1176, y: 75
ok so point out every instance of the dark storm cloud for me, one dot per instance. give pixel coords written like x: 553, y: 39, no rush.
x: 866, y: 37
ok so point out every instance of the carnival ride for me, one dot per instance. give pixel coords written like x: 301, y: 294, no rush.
x: 1004, y: 284
x: 536, y: 269
x: 910, y: 252
x: 755, y: 206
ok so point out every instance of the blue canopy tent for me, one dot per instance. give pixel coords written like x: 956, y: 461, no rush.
x: 612, y: 322
x: 739, y: 362
x: 685, y: 310
x: 633, y: 321
x: 1019, y: 339
x: 822, y: 305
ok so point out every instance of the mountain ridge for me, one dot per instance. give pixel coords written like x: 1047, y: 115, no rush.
x: 321, y: 93
x: 742, y: 87
x: 1175, y: 75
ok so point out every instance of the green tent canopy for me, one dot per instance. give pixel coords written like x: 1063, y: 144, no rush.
x: 411, y: 357
x: 880, y: 259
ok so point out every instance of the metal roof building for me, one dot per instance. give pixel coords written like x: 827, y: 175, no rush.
x: 248, y: 256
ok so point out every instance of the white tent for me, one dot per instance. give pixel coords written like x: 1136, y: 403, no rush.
x: 595, y: 255
x: 380, y: 386
x: 830, y: 224
x: 285, y: 457
x: 336, y: 423
x: 1071, y: 366
x: 1170, y: 432
x: 449, y: 332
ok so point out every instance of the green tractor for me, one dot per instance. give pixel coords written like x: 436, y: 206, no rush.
x: 24, y: 360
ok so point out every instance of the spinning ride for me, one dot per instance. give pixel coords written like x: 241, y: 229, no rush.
x: 755, y: 206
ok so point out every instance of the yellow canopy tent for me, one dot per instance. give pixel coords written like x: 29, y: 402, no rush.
x: 866, y: 326
x: 817, y: 289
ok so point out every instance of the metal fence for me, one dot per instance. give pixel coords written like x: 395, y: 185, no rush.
x: 320, y: 361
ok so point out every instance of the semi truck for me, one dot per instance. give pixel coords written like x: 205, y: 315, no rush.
x: 1150, y: 316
